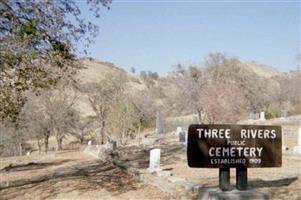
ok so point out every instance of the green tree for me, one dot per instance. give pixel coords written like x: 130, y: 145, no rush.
x: 38, y: 46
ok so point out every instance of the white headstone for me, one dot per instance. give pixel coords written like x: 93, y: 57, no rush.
x: 297, y: 149
x: 262, y: 116
x: 28, y: 153
x: 154, y: 160
x: 89, y: 142
x: 179, y: 130
x: 186, y: 138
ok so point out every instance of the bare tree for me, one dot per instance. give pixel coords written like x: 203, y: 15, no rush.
x: 102, y: 96
x: 203, y: 90
x: 37, y: 126
x: 10, y: 141
x: 50, y: 113
x: 223, y: 103
x: 123, y: 120
x: 80, y: 128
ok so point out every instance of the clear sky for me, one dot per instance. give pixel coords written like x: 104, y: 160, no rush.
x: 156, y: 35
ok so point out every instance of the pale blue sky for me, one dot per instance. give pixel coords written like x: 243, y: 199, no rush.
x: 157, y: 35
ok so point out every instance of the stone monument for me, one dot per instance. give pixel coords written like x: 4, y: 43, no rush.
x: 154, y: 160
x: 262, y: 116
x: 159, y: 123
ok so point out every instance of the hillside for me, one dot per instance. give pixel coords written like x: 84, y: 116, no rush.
x: 93, y: 71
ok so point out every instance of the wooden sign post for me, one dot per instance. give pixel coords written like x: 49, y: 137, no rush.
x: 234, y: 146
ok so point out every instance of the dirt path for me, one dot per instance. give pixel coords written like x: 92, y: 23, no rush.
x: 92, y: 180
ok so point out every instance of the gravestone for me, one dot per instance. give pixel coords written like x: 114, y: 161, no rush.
x: 179, y: 130
x: 182, y: 137
x: 262, y: 116
x: 283, y: 114
x: 297, y: 149
x: 154, y: 160
x: 89, y: 142
x: 159, y: 123
x: 252, y: 115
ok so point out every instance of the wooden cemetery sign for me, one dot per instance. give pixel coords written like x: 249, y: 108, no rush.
x: 236, y: 146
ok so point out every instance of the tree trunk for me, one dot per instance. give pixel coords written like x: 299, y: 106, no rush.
x: 39, y: 144
x: 46, y: 143
x: 60, y: 144
x: 59, y: 141
x: 20, y: 148
x: 102, y: 132
x: 139, y: 136
x: 81, y: 139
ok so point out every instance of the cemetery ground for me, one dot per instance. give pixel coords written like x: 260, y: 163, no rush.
x: 69, y: 175
x: 77, y: 175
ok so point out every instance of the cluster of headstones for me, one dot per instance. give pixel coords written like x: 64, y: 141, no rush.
x: 257, y: 116
x: 297, y: 148
x: 261, y: 116
x: 154, y: 160
x: 100, y: 151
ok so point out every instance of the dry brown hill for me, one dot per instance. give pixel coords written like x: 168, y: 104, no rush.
x: 94, y: 71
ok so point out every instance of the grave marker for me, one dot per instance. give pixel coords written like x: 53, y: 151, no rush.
x: 182, y: 137
x: 284, y: 114
x: 159, y: 123
x: 154, y: 160
x: 262, y: 116
x: 179, y: 130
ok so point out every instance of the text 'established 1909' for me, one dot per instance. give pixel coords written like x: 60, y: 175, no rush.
x: 219, y: 146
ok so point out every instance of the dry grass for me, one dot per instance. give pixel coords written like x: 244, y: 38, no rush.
x: 94, y: 180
